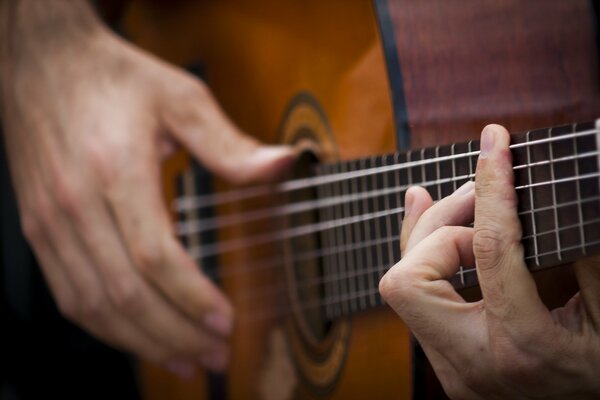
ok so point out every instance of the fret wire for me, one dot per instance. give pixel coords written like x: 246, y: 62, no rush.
x: 464, y: 271
x: 367, y: 233
x: 319, y: 303
x: 378, y: 248
x: 437, y: 173
x: 201, y: 225
x: 454, y: 183
x: 388, y: 222
x: 533, y: 225
x: 272, y: 289
x: 348, y: 239
x: 554, y: 201
x: 423, y: 175
x: 277, y: 288
x: 578, y: 193
x: 470, y: 148
x: 227, y: 220
x: 302, y: 183
x: 409, y: 170
x: 330, y: 239
x: 357, y: 235
x: 339, y: 259
x: 236, y: 244
x: 377, y: 228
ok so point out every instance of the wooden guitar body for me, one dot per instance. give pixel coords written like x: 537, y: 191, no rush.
x: 316, y: 71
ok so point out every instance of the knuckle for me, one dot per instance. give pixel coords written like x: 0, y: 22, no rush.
x: 44, y: 212
x: 67, y: 307
x: 148, y: 257
x: 31, y: 227
x: 488, y: 245
x: 91, y: 306
x: 397, y: 287
x: 477, y: 381
x: 515, y: 365
x: 67, y: 196
x: 126, y: 297
x: 101, y: 159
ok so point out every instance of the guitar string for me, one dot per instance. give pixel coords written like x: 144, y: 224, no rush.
x: 281, y: 287
x: 229, y: 245
x: 541, y: 233
x: 201, y: 201
x: 277, y: 261
x: 267, y: 313
x: 228, y: 270
x: 240, y: 218
x: 255, y: 315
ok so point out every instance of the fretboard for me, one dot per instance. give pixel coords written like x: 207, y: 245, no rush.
x: 557, y: 184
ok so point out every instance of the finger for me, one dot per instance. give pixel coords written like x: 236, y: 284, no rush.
x: 508, y: 288
x: 69, y: 272
x: 417, y: 287
x: 132, y: 296
x: 588, y: 278
x: 144, y: 225
x: 195, y: 119
x: 416, y: 202
x: 456, y: 209
x: 80, y: 296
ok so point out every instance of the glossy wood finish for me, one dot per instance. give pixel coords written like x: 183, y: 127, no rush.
x: 521, y: 64
x: 257, y: 55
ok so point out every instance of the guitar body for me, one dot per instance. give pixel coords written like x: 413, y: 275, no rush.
x: 316, y: 71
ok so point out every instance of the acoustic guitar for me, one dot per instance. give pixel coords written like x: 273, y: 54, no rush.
x: 382, y: 95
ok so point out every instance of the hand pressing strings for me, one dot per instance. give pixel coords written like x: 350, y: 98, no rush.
x: 508, y: 345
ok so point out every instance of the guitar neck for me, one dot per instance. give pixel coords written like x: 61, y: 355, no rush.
x: 556, y: 180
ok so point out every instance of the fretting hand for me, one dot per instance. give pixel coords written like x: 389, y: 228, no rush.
x: 508, y: 345
x: 87, y: 120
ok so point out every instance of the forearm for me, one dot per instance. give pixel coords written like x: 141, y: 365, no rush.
x: 32, y: 30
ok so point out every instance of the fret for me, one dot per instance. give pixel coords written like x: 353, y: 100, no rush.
x: 447, y: 171
x: 348, y: 240
x: 367, y: 236
x: 530, y: 190
x: 437, y: 173
x: 401, y: 178
x: 558, y: 205
x: 454, y: 183
x: 578, y: 194
x: 358, y: 254
x: 423, y: 177
x: 461, y: 166
x: 554, y: 201
x: 387, y: 232
x: 393, y: 202
x: 376, y: 227
x: 589, y: 188
x: 543, y: 195
x: 428, y: 172
x: 340, y: 264
x: 325, y: 215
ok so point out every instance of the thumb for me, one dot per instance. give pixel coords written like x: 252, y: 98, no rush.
x: 196, y: 121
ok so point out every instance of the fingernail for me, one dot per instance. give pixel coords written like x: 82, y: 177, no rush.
x: 182, y: 369
x: 216, y: 362
x: 409, y: 199
x: 268, y: 154
x: 465, y: 188
x: 488, y: 138
x: 219, y: 323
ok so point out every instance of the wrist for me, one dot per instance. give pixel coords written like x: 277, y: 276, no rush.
x: 33, y: 31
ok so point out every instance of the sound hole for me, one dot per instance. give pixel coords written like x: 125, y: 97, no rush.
x: 304, y: 260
